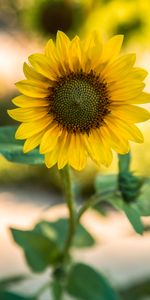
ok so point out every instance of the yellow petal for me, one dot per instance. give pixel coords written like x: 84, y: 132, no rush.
x: 131, y: 113
x: 25, y: 101
x: 91, y: 48
x: 134, y: 78
x: 125, y: 85
x: 96, y: 149
x: 120, y: 68
x: 140, y: 99
x: 89, y: 141
x: 42, y: 65
x: 127, y: 130
x: 126, y: 93
x: 107, y: 153
x: 26, y: 130
x: 116, y: 141
x: 32, y: 142
x: 28, y: 114
x: 75, y: 60
x: 137, y: 74
x: 30, y: 88
x: 32, y: 75
x: 87, y: 45
x: 50, y: 138
x: 51, y: 158
x: 64, y: 142
x: 62, y: 46
x: 89, y: 41
x: 50, y: 50
x: 112, y: 48
x: 77, y: 156
x: 51, y: 53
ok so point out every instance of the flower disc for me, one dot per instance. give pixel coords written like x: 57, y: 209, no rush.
x: 79, y: 102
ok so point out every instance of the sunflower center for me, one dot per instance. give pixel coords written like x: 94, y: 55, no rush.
x: 79, y: 102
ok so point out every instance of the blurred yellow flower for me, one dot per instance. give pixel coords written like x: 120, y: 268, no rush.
x: 130, y: 18
x: 78, y: 101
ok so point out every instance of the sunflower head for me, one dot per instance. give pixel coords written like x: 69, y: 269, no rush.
x: 78, y: 100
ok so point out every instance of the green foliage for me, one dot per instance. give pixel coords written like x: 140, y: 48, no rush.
x: 12, y: 149
x: 134, y: 217
x: 129, y: 185
x: 11, y: 296
x: 59, y: 230
x: 4, y: 283
x: 139, y: 290
x: 83, y: 238
x: 40, y: 251
x: 133, y: 211
x: 84, y: 283
x: 105, y: 182
x: 44, y: 244
x: 57, y: 290
x: 127, y: 194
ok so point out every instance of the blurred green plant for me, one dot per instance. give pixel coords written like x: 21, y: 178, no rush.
x: 9, y: 14
x: 12, y: 151
x: 50, y: 244
x: 128, y: 17
x: 138, y: 291
x: 48, y: 16
x: 128, y: 191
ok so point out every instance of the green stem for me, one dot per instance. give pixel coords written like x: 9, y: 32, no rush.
x: 41, y: 290
x: 94, y: 200
x: 67, y: 184
x: 73, y: 218
x: 124, y: 162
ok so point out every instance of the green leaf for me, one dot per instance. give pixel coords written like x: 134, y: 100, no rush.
x: 57, y: 290
x: 138, y: 290
x: 12, y: 149
x: 59, y: 230
x: 134, y: 217
x: 44, y: 244
x: 83, y: 238
x: 131, y: 211
x: 12, y: 296
x: 40, y: 251
x: 105, y: 182
x: 84, y: 283
x: 11, y: 280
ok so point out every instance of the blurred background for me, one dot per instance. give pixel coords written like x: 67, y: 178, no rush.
x: 26, y: 192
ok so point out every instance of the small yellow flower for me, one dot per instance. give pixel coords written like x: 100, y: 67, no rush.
x: 79, y: 100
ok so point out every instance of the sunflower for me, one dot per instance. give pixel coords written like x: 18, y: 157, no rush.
x: 79, y: 100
